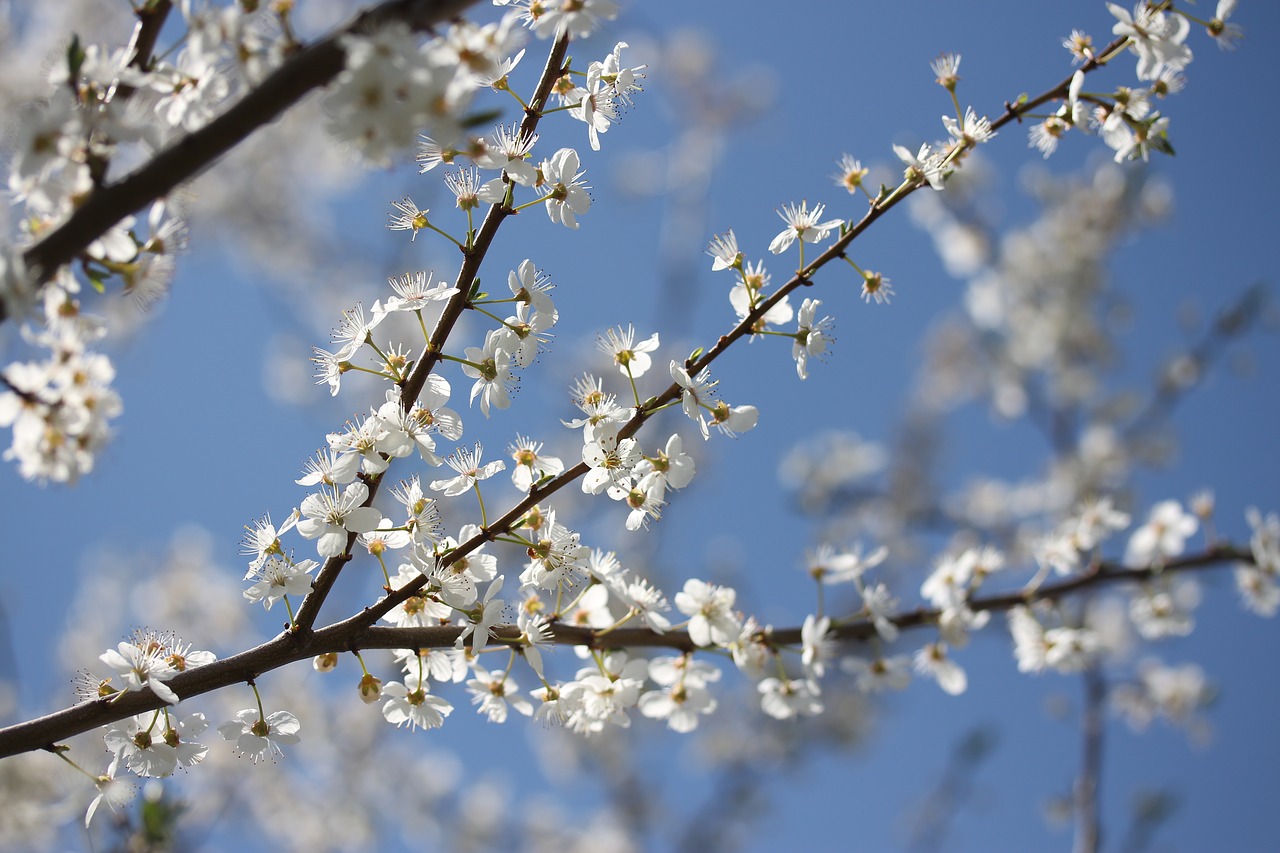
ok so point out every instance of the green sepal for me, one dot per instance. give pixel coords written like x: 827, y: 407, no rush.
x: 75, y: 59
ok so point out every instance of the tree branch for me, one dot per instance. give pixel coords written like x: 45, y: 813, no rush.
x: 354, y: 634
x: 308, y: 70
x: 412, y: 386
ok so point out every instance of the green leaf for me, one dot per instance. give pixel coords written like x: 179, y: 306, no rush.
x: 483, y: 118
x: 75, y: 59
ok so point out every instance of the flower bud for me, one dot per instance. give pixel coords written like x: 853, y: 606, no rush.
x: 370, y: 688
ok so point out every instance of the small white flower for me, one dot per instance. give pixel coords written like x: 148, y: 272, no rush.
x: 932, y: 661
x: 811, y: 338
x: 467, y: 464
x: 802, y: 223
x: 1164, y: 535
x: 259, y: 738
x: 724, y: 252
x: 331, y: 517
x: 563, y: 189
x: 783, y: 699
x: 276, y: 577
x: 632, y: 358
x: 411, y: 703
x: 140, y: 667
x: 710, y: 608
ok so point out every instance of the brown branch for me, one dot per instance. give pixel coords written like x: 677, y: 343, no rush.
x: 355, y: 634
x: 412, y: 386
x: 694, y: 366
x: 306, y: 71
x: 282, y: 89
x: 1088, y: 837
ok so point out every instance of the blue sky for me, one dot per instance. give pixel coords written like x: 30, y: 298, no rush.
x: 203, y: 442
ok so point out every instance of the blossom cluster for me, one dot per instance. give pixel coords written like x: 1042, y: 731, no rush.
x: 1127, y: 119
x: 392, y: 85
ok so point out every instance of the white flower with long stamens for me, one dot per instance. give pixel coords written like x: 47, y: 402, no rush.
x: 423, y: 514
x: 331, y: 517
x: 802, y: 224
x: 851, y: 174
x: 1225, y: 34
x: 508, y: 150
x: 410, y: 217
x: 724, y: 252
x: 354, y: 332
x: 579, y: 18
x: 531, y: 464
x: 879, y: 604
x: 329, y: 369
x: 258, y: 738
x: 731, y: 420
x: 562, y: 188
x: 141, y: 667
x: 276, y: 577
x: 557, y: 557
x: 811, y: 337
x: 644, y: 498
x: 973, y: 131
x: 611, y: 463
x: 620, y: 81
x: 467, y: 463
x: 330, y: 468
x: 829, y: 566
x: 946, y: 70
x: 416, y: 292
x: 494, y: 379
x: 481, y: 629
x: 411, y: 703
x: 604, y: 416
x: 527, y: 334
x: 710, y: 611
x: 116, y: 793
x: 465, y: 186
x: 530, y: 286
x: 494, y: 691
x: 695, y: 394
x: 152, y: 744
x: 262, y: 540
x: 432, y: 154
x: 671, y: 466
x: 879, y: 673
x: 632, y: 358
x: 597, y: 109
x: 924, y: 166
x: 360, y: 438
